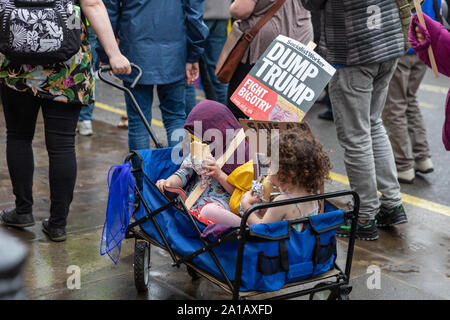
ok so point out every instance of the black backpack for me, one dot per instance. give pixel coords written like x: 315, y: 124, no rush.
x: 39, y: 32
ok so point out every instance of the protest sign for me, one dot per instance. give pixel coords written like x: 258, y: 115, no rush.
x: 284, y: 83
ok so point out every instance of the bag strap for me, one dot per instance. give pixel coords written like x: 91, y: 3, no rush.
x: 269, y: 14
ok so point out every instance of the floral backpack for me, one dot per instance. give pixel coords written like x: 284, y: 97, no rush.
x: 39, y: 32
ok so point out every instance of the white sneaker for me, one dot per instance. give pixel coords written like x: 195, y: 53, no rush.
x: 425, y: 166
x: 407, y: 176
x: 85, y: 128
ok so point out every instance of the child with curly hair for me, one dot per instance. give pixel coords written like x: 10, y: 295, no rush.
x: 303, y: 166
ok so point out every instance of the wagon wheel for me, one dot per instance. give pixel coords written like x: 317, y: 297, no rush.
x: 323, y: 295
x: 194, y: 274
x: 344, y: 292
x: 341, y: 293
x: 141, y: 265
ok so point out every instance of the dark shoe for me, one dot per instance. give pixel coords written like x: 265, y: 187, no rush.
x: 364, y: 231
x: 11, y: 218
x: 54, y: 233
x: 391, y: 217
x: 326, y: 115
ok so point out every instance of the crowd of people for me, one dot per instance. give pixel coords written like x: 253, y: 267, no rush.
x: 372, y: 98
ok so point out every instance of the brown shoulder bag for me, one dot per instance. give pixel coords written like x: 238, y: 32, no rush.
x: 237, y: 43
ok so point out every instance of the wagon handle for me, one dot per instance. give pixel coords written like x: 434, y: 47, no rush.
x: 107, y: 68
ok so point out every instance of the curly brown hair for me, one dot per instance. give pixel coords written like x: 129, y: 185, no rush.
x: 302, y: 160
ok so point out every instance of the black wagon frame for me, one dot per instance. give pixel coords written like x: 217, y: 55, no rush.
x: 339, y: 288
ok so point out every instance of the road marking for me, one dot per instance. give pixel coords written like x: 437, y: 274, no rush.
x: 433, y: 88
x: 418, y: 202
x: 422, y: 203
x: 112, y: 109
x: 426, y: 105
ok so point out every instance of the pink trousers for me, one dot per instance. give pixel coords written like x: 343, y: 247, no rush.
x: 218, y: 214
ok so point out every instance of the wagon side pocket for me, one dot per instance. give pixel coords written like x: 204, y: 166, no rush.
x: 325, y: 252
x: 268, y: 265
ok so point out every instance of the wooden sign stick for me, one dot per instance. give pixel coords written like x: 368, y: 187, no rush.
x: 311, y: 46
x: 430, y: 49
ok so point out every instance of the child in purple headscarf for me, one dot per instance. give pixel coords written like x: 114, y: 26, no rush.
x: 215, y: 125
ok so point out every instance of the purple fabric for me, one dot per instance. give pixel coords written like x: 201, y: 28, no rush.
x: 213, y: 232
x: 439, y: 38
x: 214, y: 115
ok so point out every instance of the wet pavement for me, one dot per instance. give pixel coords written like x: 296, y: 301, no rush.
x: 414, y: 259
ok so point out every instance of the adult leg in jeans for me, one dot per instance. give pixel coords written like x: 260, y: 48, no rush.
x: 86, y: 112
x: 173, y: 109
x: 213, y: 47
x: 20, y: 111
x: 361, y: 134
x: 138, y: 136
x: 386, y: 173
x: 191, y: 98
x: 60, y: 121
x: 207, y: 84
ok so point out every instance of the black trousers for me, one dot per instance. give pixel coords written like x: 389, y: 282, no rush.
x: 241, y: 72
x: 60, y: 121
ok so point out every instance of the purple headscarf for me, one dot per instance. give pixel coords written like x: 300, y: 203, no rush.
x: 213, y: 115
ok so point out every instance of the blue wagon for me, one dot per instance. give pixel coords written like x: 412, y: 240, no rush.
x: 244, y: 261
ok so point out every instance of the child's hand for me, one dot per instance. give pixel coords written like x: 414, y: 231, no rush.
x: 161, y: 184
x: 419, y: 35
x: 173, y: 181
x: 212, y: 167
x: 251, y: 199
x: 248, y: 199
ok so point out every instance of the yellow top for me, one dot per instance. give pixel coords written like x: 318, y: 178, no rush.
x: 241, y: 178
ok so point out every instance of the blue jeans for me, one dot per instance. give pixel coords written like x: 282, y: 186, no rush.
x: 213, y: 47
x: 191, y: 98
x: 93, y: 42
x: 86, y: 112
x: 172, y: 105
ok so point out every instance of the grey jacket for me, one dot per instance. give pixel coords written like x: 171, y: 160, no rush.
x: 217, y: 9
x: 355, y: 32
